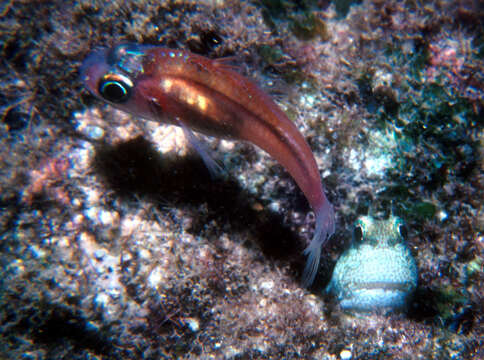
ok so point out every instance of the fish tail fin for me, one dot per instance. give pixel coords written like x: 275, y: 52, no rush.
x: 324, y: 230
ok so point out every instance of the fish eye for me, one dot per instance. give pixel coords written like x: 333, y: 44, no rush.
x: 115, y: 88
x: 402, y: 229
x: 399, y: 225
x: 357, y: 234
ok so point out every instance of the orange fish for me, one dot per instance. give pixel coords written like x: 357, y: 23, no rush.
x: 196, y: 93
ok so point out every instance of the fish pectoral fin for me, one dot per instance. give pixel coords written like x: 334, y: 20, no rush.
x: 215, y: 168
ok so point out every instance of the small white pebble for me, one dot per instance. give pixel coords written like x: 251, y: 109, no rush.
x: 266, y: 285
x: 92, y: 214
x: 275, y: 206
x: 101, y: 300
x: 92, y: 195
x: 144, y: 254
x: 86, y: 124
x: 442, y: 215
x: 80, y: 159
x: 345, y: 354
x: 192, y: 324
x: 92, y: 132
x: 78, y: 219
x: 155, y: 278
x: 129, y: 225
x: 108, y: 217
x: 64, y: 242
x: 170, y: 139
x: 99, y: 254
x: 36, y: 251
x: 227, y: 145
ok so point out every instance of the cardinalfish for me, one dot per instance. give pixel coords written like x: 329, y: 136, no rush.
x: 208, y: 96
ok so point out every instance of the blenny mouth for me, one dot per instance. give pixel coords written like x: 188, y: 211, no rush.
x: 379, y: 285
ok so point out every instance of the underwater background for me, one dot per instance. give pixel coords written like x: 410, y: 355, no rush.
x: 117, y: 244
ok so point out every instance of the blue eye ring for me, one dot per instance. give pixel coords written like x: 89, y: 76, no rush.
x: 115, y: 88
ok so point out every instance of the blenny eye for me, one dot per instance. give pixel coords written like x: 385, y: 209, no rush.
x: 402, y: 229
x: 357, y: 234
x: 115, y: 88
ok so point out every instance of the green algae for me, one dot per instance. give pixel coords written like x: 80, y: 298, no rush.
x: 343, y: 6
x: 446, y: 300
x: 424, y: 210
x: 272, y: 55
x: 307, y: 26
x: 301, y: 19
x: 431, y: 116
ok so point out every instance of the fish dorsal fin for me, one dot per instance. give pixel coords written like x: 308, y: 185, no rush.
x: 228, y: 63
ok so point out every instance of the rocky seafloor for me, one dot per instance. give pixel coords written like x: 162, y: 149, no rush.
x: 117, y: 244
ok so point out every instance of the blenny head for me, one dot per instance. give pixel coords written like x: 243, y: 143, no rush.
x: 378, y: 272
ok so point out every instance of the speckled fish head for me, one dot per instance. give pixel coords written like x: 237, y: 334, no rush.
x: 116, y: 76
x: 379, y: 232
x: 377, y: 271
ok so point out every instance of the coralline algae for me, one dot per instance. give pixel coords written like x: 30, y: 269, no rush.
x: 378, y: 272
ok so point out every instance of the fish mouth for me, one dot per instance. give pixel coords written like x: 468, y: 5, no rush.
x: 388, y: 286
x: 93, y: 68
